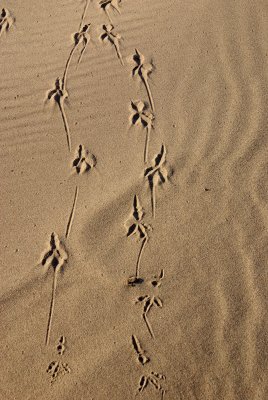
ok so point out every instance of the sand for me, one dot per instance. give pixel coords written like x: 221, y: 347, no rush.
x: 80, y: 319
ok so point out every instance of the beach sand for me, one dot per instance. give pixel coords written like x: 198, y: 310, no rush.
x: 76, y: 213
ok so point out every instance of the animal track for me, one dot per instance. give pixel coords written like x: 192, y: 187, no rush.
x: 154, y: 379
x: 148, y: 302
x: 84, y: 14
x: 59, y: 94
x: 143, y: 70
x: 113, y: 4
x: 80, y: 37
x: 6, y: 21
x: 144, y: 117
x: 142, y: 358
x: 83, y: 161
x: 157, y: 174
x: 113, y: 38
x: 55, y: 257
x: 58, y: 368
x: 71, y: 217
x: 136, y: 226
x: 157, y: 281
x: 61, y: 346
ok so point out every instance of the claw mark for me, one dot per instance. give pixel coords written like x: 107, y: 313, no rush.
x: 142, y: 358
x: 136, y: 226
x: 55, y: 257
x: 59, y: 95
x: 71, y: 217
x: 157, y: 174
x: 148, y: 303
x: 143, y: 383
x: 155, y: 380
x: 6, y: 21
x: 143, y: 70
x: 113, y: 4
x: 83, y: 161
x: 144, y: 117
x: 113, y: 38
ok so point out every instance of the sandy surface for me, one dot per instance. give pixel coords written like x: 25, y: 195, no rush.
x: 199, y: 332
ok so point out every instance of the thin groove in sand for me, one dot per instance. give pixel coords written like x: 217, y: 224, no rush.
x: 71, y: 217
x: 84, y: 14
x: 52, y: 306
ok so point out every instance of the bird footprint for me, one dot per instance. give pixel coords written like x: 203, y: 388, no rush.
x: 154, y: 379
x: 82, y: 37
x: 113, y: 38
x: 58, y: 368
x: 59, y: 94
x: 83, y: 161
x: 136, y: 226
x: 54, y: 258
x: 157, y: 174
x: 144, y: 117
x: 6, y: 21
x: 142, y: 358
x: 143, y: 70
x: 157, y: 280
x: 149, y: 302
x: 107, y: 4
